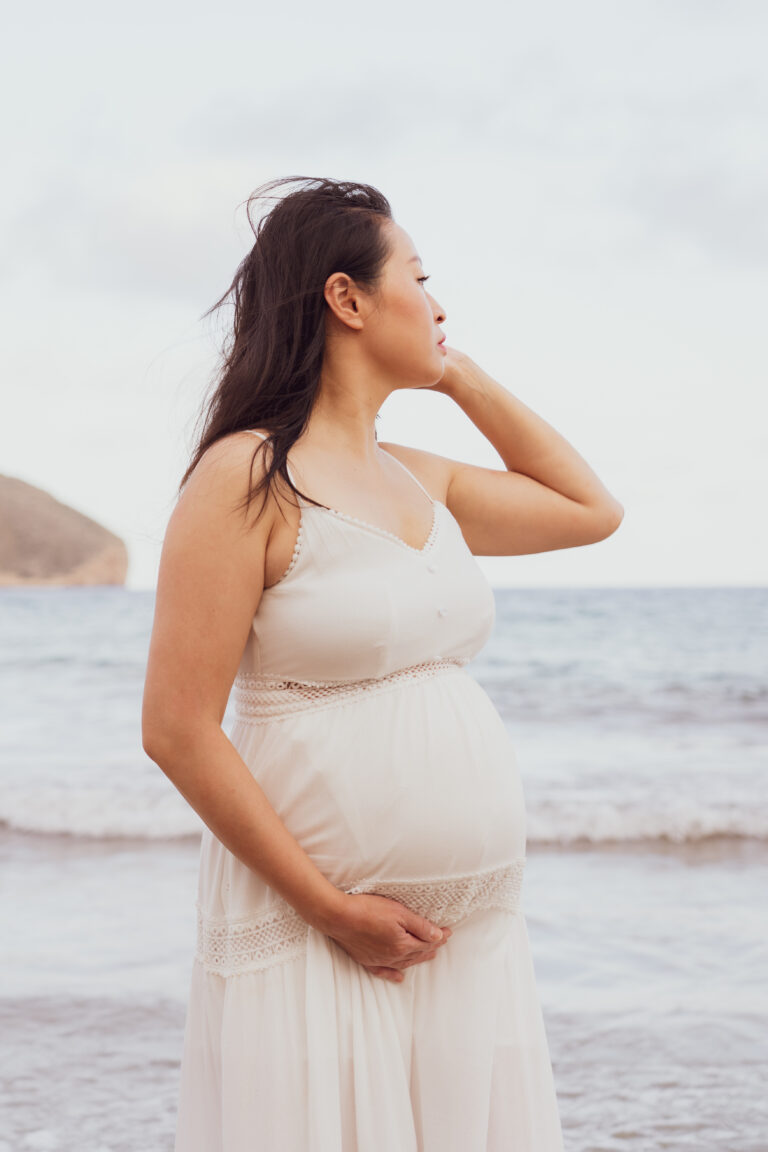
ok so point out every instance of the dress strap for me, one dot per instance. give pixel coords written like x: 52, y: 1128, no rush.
x: 253, y: 432
x: 411, y: 476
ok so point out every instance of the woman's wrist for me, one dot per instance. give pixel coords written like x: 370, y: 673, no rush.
x: 328, y: 912
x: 462, y: 378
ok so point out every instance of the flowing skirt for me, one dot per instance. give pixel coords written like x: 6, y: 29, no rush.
x: 411, y: 791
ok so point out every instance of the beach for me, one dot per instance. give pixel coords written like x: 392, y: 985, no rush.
x: 640, y: 720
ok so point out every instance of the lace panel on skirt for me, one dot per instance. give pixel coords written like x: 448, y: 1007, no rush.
x: 229, y: 947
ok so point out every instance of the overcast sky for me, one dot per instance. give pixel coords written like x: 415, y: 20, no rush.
x: 586, y: 184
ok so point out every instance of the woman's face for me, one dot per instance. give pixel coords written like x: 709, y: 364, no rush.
x: 402, y: 330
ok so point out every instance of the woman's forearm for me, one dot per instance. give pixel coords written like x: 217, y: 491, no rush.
x: 205, y: 767
x: 524, y: 440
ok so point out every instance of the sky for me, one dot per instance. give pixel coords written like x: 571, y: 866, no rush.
x: 585, y: 183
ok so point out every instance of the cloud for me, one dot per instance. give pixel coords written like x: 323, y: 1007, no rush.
x: 157, y: 236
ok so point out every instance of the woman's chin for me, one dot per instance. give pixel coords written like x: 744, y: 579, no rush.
x: 432, y: 377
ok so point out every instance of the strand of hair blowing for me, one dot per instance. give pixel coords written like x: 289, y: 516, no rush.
x: 271, y: 361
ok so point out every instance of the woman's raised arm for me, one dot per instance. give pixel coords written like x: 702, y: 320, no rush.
x: 548, y: 498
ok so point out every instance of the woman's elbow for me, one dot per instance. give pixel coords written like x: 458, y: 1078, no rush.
x: 172, y: 737
x: 154, y: 741
x: 159, y: 732
x: 618, y: 516
x: 609, y: 520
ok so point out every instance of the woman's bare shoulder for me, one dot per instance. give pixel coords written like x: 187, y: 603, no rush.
x: 228, y: 454
x: 221, y: 478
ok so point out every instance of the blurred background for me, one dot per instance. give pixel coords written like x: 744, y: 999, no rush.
x: 586, y: 186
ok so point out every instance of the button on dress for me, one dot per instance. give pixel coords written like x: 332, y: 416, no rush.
x: 390, y: 765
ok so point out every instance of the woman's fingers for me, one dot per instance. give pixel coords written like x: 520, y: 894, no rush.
x: 423, y: 929
x: 435, y: 940
x: 391, y: 974
x: 418, y: 959
x: 384, y: 935
x: 395, y: 975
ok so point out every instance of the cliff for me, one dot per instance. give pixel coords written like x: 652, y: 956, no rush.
x: 45, y: 542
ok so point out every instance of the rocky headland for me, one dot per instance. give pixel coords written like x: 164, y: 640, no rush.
x: 43, y: 541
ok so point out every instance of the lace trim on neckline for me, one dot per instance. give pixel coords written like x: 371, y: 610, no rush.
x: 355, y: 522
x: 385, y: 531
x: 426, y: 546
x: 296, y: 551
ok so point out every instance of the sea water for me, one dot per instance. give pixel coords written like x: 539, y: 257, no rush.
x: 640, y: 720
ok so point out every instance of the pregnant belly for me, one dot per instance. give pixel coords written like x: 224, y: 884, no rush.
x: 410, y: 790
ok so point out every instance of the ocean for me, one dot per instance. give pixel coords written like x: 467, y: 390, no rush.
x: 640, y: 720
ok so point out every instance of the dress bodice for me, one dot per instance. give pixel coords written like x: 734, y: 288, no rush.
x: 357, y: 602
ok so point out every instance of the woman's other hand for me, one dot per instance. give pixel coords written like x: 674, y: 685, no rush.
x: 385, y: 936
x: 457, y: 367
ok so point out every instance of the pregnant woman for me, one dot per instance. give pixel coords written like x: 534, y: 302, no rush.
x: 363, y: 980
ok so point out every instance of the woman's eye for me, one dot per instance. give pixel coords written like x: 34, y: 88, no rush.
x: 423, y: 279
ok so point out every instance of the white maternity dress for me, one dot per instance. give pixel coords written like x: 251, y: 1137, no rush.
x: 392, y: 768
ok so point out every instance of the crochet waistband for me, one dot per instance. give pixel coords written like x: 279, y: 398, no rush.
x: 258, y: 699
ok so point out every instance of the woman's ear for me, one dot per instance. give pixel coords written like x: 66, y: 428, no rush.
x: 344, y: 299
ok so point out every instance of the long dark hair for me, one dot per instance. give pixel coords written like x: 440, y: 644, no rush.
x: 271, y: 362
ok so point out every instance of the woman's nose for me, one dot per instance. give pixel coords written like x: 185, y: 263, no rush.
x: 439, y: 312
